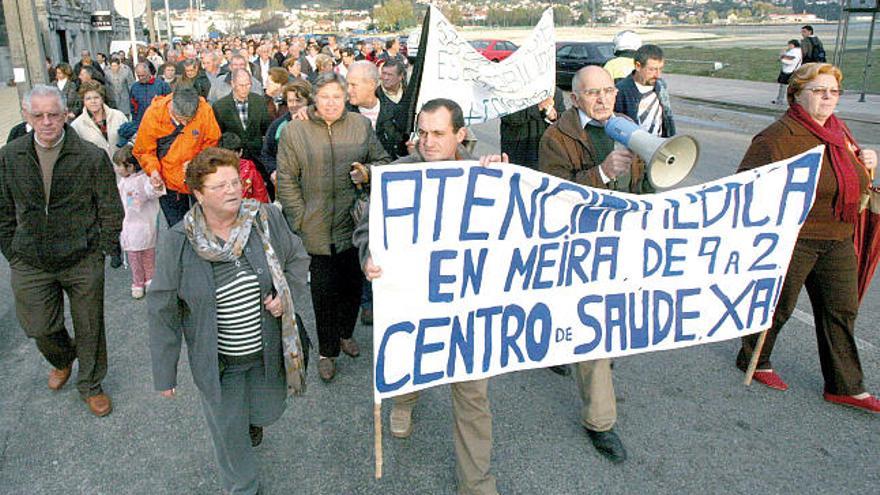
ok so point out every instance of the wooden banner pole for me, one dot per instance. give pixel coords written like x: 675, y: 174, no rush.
x: 756, y: 354
x: 377, y: 427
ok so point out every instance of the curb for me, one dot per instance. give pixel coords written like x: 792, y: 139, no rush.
x: 863, y: 119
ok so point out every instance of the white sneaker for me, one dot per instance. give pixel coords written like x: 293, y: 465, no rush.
x: 401, y: 421
x: 137, y: 292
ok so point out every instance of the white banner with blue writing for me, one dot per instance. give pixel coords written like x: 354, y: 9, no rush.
x: 487, y: 270
x: 486, y: 90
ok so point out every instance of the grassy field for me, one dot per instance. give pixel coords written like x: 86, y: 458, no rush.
x: 756, y: 64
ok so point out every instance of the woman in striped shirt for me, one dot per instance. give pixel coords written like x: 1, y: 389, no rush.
x: 226, y: 278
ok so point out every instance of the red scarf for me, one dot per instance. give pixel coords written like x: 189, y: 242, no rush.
x: 839, y: 141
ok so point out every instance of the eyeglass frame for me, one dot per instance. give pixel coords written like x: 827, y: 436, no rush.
x: 595, y: 92
x: 823, y: 90
x: 235, y: 184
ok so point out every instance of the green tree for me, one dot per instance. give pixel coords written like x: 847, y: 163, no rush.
x: 562, y: 16
x: 710, y: 16
x: 453, y: 13
x: 394, y: 15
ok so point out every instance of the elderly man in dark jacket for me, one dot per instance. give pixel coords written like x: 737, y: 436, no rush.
x: 367, y: 98
x: 60, y: 213
x: 577, y: 149
x: 246, y: 114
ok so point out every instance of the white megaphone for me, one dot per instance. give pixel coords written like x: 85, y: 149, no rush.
x: 668, y: 161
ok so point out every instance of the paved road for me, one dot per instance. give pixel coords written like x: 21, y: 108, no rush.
x: 688, y: 422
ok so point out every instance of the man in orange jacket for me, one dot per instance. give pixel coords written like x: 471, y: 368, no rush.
x: 175, y: 129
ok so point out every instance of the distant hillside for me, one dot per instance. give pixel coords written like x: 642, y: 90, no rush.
x: 259, y: 4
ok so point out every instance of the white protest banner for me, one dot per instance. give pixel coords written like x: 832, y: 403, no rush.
x: 487, y: 270
x: 484, y: 89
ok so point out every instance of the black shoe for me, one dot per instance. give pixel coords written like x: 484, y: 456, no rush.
x: 561, y: 370
x: 608, y: 444
x: 256, y: 433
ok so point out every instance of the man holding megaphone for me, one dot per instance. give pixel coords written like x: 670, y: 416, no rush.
x: 576, y: 148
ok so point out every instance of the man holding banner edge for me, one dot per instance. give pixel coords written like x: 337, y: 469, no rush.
x: 579, y: 132
x: 441, y: 132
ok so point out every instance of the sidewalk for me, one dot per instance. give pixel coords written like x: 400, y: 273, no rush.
x: 9, y: 114
x: 753, y: 95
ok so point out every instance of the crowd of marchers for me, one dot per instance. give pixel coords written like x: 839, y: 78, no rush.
x: 258, y: 156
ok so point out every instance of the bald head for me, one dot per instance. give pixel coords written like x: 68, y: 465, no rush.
x: 591, y: 76
x: 363, y: 79
x: 364, y: 69
x: 593, y: 92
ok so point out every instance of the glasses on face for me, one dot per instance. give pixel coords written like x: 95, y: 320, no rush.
x: 821, y: 90
x: 595, y: 92
x: 235, y: 184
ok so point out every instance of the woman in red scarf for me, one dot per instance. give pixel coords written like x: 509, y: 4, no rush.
x: 824, y: 257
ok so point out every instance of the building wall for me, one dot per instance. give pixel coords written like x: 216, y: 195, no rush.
x: 67, y: 29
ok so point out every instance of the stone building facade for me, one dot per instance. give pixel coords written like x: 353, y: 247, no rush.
x: 66, y: 27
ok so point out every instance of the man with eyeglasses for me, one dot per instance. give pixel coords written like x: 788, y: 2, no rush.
x: 60, y: 214
x: 175, y: 129
x: 643, y: 95
x: 577, y: 149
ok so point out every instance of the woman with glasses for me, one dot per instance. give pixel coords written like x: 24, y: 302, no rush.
x: 824, y: 258
x: 226, y: 279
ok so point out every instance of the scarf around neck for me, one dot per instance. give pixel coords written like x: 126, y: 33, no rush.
x: 252, y: 214
x: 836, y: 136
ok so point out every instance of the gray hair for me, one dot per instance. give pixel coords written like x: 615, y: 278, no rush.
x: 142, y: 65
x: 369, y: 68
x: 190, y: 62
x: 240, y: 73
x: 42, y: 91
x: 328, y: 78
x: 185, y: 101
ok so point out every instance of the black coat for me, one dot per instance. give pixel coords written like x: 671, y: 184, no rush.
x: 521, y: 132
x: 84, y: 213
x: 16, y: 132
x: 257, y: 123
x: 389, y: 126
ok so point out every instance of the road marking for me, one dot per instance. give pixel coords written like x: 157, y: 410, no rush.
x: 807, y: 319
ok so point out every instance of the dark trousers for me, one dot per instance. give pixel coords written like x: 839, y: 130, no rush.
x: 367, y: 295
x: 248, y: 396
x: 39, y: 305
x: 828, y: 270
x: 175, y: 205
x: 336, y: 283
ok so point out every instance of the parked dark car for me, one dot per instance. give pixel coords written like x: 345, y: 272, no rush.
x: 572, y: 55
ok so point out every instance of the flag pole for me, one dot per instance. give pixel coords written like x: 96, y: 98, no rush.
x: 411, y: 95
x: 377, y: 440
x: 756, y: 354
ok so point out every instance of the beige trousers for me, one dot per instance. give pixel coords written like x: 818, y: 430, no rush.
x: 472, y: 433
x: 599, y: 410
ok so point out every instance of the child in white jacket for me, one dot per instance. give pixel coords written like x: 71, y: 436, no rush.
x: 140, y: 199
